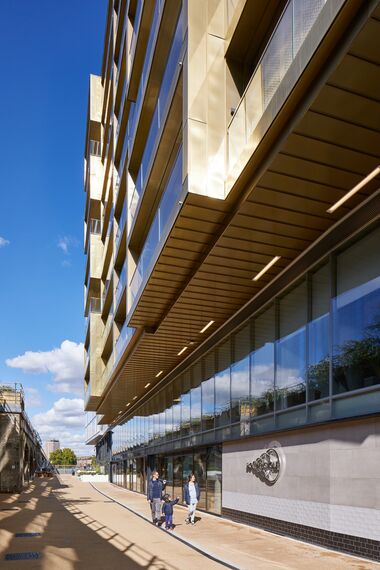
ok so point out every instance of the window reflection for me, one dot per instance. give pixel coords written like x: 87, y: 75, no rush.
x: 208, y: 404
x: 240, y: 380
x: 223, y: 386
x: 291, y: 349
x: 318, y: 330
x: 262, y: 364
x: 356, y: 316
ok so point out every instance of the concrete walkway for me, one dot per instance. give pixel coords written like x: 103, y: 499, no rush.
x: 80, y: 528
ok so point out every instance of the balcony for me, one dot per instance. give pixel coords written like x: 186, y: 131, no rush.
x: 287, y: 39
x: 121, y: 285
x: 121, y: 227
x: 159, y: 228
x: 126, y: 334
x: 159, y: 115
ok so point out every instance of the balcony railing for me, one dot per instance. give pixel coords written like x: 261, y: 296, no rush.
x: 159, y: 113
x: 158, y: 228
x: 126, y: 334
x: 108, y: 326
x: 95, y: 226
x: 145, y: 70
x: 121, y: 284
x: 289, y: 35
x: 120, y: 229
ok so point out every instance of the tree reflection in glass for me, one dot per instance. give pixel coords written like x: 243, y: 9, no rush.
x: 262, y: 364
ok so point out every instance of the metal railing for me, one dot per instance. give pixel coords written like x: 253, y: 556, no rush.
x: 125, y: 336
x: 121, y: 284
x: 158, y: 228
x: 287, y: 38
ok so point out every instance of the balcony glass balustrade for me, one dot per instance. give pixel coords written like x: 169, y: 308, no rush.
x: 158, y: 115
x: 120, y: 229
x: 289, y: 35
x: 121, y: 284
x: 146, y: 67
x: 126, y: 334
x: 158, y: 228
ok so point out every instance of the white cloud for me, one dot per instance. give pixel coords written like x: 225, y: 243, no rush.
x: 67, y: 242
x: 65, y: 363
x: 4, y: 242
x: 32, y: 397
x: 66, y: 263
x: 65, y: 421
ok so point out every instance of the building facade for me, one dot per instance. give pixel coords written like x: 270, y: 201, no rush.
x: 50, y: 446
x: 232, y: 285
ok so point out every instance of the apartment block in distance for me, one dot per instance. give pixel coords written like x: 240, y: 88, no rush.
x: 232, y: 286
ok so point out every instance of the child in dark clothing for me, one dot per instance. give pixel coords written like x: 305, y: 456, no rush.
x: 167, y: 509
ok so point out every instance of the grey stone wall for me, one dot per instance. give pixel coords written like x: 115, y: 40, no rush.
x: 10, y: 453
x: 329, y: 479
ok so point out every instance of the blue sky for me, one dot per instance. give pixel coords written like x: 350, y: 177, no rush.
x: 47, y: 51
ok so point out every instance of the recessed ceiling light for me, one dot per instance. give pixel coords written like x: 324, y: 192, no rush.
x: 146, y: 385
x: 207, y: 326
x: 159, y: 373
x: 135, y: 397
x: 182, y: 350
x: 265, y: 269
x: 355, y: 189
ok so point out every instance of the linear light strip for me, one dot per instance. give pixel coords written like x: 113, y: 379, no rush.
x: 355, y: 189
x: 182, y: 350
x: 207, y: 326
x: 265, y: 269
x: 159, y: 373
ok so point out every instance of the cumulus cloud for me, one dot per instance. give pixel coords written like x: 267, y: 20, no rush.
x: 66, y: 243
x: 65, y: 421
x: 64, y: 363
x: 4, y: 242
x: 32, y: 397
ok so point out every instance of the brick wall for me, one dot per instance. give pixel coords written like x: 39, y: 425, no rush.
x: 343, y: 542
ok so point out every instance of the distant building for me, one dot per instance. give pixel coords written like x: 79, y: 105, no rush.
x: 50, y: 446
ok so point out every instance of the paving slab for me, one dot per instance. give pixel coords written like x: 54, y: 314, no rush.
x: 239, y: 545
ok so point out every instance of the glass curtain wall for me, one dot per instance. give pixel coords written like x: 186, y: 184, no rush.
x: 292, y: 363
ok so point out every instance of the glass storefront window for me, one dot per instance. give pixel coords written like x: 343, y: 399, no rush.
x: 318, y: 371
x: 214, y: 480
x: 291, y: 348
x: 262, y: 363
x: 356, y: 316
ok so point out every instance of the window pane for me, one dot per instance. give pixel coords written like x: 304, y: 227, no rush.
x: 290, y: 373
x: 185, y: 407
x: 196, y: 410
x: 262, y: 364
x: 319, y: 358
x: 222, y: 385
x: 356, y: 316
x: 208, y: 404
x: 240, y: 394
x: 214, y: 480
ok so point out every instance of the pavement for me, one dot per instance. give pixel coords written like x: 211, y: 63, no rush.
x: 79, y: 525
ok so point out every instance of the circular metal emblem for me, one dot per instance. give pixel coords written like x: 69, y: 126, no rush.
x: 266, y: 467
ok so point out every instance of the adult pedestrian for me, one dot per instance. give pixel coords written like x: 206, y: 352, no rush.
x: 191, y: 495
x: 154, y: 496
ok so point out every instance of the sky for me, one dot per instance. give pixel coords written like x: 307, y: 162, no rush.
x: 48, y: 48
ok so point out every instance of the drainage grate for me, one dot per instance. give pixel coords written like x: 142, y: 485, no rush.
x: 23, y: 556
x: 26, y: 534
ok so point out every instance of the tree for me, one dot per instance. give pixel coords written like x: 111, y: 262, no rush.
x: 68, y: 456
x: 64, y: 456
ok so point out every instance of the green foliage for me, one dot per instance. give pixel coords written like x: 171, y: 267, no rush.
x: 64, y: 456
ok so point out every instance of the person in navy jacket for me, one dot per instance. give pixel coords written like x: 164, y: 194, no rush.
x: 167, y: 509
x: 191, y: 495
x: 154, y: 496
